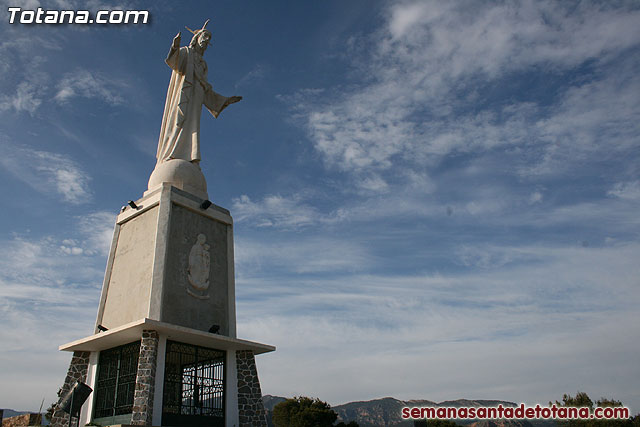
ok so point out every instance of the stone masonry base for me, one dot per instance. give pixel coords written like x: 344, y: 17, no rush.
x: 77, y: 372
x: 251, y: 411
x: 145, y: 379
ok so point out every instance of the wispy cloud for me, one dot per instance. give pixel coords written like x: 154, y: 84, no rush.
x: 27, y: 4
x: 257, y: 74
x: 305, y: 255
x: 98, y: 230
x: 626, y: 190
x: 290, y: 212
x: 466, y: 39
x: 516, y: 323
x: 25, y: 91
x: 432, y: 63
x: 47, y: 172
x: 28, y: 92
x: 49, y: 290
x: 90, y: 84
x: 27, y: 98
x: 495, y: 145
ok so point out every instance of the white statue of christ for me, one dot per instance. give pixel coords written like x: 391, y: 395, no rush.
x: 188, y: 91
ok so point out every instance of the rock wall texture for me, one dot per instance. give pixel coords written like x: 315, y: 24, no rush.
x: 251, y: 411
x: 77, y: 372
x: 145, y: 380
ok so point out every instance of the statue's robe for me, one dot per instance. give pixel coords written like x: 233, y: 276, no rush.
x: 188, y: 91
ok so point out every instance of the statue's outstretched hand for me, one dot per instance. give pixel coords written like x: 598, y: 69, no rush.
x: 234, y: 99
x: 176, y: 41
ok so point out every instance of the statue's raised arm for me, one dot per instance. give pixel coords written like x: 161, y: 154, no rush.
x: 188, y: 91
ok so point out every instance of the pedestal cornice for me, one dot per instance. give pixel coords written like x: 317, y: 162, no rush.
x: 133, y: 331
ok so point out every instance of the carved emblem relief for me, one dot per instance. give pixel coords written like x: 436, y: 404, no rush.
x: 199, y: 269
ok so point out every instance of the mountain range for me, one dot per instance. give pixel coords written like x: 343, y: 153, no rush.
x: 387, y: 411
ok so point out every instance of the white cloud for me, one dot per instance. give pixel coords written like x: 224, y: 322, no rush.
x: 28, y: 97
x: 71, y: 250
x: 626, y: 190
x: 96, y: 234
x: 535, y: 197
x: 302, y: 255
x: 47, y: 173
x: 483, y: 333
x: 403, y: 17
x: 355, y: 137
x: 427, y: 65
x: 373, y: 183
x: 465, y: 38
x: 49, y: 292
x: 594, y: 121
x: 298, y: 211
x: 24, y: 91
x: 290, y: 212
x: 90, y: 84
x: 97, y: 228
x: 619, y: 216
x: 256, y: 74
x: 26, y: 4
x: 40, y: 280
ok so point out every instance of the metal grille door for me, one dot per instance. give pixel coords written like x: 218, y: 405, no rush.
x: 116, y: 380
x: 193, y: 386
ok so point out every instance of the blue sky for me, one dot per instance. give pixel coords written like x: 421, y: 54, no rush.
x: 432, y: 200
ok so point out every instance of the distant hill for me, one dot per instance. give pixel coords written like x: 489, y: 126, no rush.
x: 378, y: 412
x: 387, y: 412
x: 270, y: 401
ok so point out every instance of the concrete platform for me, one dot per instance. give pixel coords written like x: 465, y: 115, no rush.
x: 133, y: 331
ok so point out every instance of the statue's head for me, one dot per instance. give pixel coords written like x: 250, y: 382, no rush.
x: 201, y: 38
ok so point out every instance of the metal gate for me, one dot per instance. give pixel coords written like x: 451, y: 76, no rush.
x: 194, y: 383
x: 116, y: 381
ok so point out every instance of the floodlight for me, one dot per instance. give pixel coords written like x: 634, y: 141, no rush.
x: 74, y: 399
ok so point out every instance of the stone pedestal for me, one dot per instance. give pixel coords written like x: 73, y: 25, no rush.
x: 243, y: 397
x: 171, y: 261
x: 169, y: 287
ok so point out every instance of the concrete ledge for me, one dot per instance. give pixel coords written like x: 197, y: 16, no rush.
x: 152, y: 198
x: 133, y: 331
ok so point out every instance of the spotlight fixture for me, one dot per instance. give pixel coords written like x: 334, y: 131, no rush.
x: 133, y: 204
x: 102, y: 328
x: 205, y: 205
x: 214, y: 329
x: 72, y: 402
